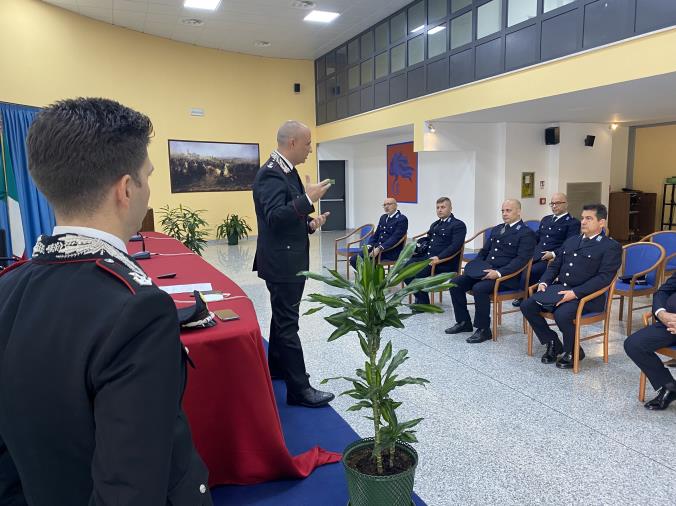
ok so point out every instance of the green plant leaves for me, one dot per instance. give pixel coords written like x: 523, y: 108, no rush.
x: 186, y: 225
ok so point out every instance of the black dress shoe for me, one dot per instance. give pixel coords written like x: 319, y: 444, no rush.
x: 310, y: 398
x: 663, y: 399
x: 480, y: 335
x: 516, y: 302
x: 459, y: 327
x: 552, y: 353
x: 565, y: 361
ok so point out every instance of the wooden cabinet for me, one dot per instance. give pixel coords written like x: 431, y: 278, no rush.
x: 631, y: 215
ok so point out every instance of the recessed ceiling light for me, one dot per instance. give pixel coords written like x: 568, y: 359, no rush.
x: 303, y: 4
x: 436, y: 29
x: 417, y: 28
x: 262, y: 43
x: 192, y: 22
x: 211, y: 5
x: 321, y: 16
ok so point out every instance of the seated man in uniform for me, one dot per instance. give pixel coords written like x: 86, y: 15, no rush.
x: 554, y: 230
x: 444, y: 238
x: 93, y: 370
x: 586, y: 264
x: 391, y: 227
x: 509, y: 248
x: 641, y: 345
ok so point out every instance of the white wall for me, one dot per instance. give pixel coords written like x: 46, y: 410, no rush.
x: 582, y: 164
x: 477, y: 166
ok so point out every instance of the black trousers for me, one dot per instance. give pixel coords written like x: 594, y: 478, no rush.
x: 387, y: 255
x: 537, y: 270
x: 564, y: 316
x: 424, y: 297
x: 641, y: 346
x: 482, y: 290
x: 285, y: 352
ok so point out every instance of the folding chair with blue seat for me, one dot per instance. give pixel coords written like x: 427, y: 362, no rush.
x: 466, y: 257
x: 353, y: 247
x: 534, y: 225
x: 666, y: 239
x: 582, y: 319
x: 649, y: 319
x: 640, y: 275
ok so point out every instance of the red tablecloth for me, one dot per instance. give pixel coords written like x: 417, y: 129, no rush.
x: 229, y: 399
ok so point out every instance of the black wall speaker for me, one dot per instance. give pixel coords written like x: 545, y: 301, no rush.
x: 552, y: 135
x: 589, y: 140
x: 296, y: 87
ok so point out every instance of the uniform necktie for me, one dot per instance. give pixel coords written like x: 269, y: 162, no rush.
x: 503, y: 229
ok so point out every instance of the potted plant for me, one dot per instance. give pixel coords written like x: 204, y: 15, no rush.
x: 233, y: 228
x: 186, y: 225
x: 380, y: 469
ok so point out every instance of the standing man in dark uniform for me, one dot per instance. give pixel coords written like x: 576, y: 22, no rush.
x: 92, y: 369
x: 641, y: 345
x: 392, y: 226
x: 283, y: 207
x: 444, y: 238
x: 510, y: 248
x: 554, y: 230
x: 585, y: 264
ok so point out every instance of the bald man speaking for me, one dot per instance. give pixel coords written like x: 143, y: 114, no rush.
x: 283, y: 208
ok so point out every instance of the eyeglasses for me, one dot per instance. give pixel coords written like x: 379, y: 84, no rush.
x: 556, y: 203
x: 388, y: 204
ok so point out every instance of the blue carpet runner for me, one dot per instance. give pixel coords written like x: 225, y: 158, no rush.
x: 303, y: 428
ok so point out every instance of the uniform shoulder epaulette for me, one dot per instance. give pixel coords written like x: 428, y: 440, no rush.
x: 130, y: 275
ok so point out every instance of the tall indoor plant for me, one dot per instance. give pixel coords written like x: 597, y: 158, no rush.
x: 380, y: 469
x: 233, y: 228
x: 186, y: 225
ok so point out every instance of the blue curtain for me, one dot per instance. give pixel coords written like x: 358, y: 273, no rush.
x: 36, y: 214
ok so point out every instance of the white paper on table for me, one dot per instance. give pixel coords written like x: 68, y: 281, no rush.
x: 200, y: 287
x: 213, y: 297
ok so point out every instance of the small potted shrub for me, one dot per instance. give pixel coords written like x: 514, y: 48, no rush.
x: 186, y: 225
x: 233, y: 228
x: 380, y: 469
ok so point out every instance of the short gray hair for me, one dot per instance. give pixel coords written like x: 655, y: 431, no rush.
x: 288, y: 131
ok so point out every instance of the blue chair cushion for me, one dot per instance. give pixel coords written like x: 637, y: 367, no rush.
x: 349, y: 250
x: 507, y: 292
x: 620, y: 285
x: 470, y: 256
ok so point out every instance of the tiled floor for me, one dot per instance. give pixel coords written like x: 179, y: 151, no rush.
x: 500, y: 427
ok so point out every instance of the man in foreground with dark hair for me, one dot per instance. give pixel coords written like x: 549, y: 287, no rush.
x: 92, y: 369
x: 586, y: 264
x: 641, y: 346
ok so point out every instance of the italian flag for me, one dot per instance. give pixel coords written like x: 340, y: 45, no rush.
x: 18, y: 246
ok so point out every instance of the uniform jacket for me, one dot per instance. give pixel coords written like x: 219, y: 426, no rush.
x: 443, y: 239
x: 510, y: 250
x: 551, y: 234
x: 665, y: 298
x: 282, y: 213
x: 585, y: 266
x: 92, y: 374
x: 388, y: 232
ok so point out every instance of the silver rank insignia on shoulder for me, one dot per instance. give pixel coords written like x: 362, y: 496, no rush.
x: 598, y: 238
x: 518, y: 227
x: 140, y: 278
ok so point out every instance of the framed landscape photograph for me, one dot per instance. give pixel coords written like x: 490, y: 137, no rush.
x: 198, y: 166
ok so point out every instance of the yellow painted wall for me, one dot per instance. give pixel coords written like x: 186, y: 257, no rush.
x: 654, y: 161
x: 47, y: 53
x: 645, y: 56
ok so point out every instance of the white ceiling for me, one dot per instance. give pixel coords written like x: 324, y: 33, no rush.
x: 237, y: 24
x: 641, y: 101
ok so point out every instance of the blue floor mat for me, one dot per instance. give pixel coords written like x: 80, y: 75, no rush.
x: 303, y: 428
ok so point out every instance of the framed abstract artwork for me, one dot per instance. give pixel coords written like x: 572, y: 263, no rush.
x: 402, y: 173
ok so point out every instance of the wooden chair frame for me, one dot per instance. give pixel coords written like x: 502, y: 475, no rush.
x: 434, y: 268
x: 480, y: 232
x: 388, y: 263
x: 581, y: 321
x: 648, y: 319
x: 347, y: 254
x: 497, y: 298
x: 632, y: 292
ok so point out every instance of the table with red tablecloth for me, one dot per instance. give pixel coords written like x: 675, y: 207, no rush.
x: 229, y: 399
